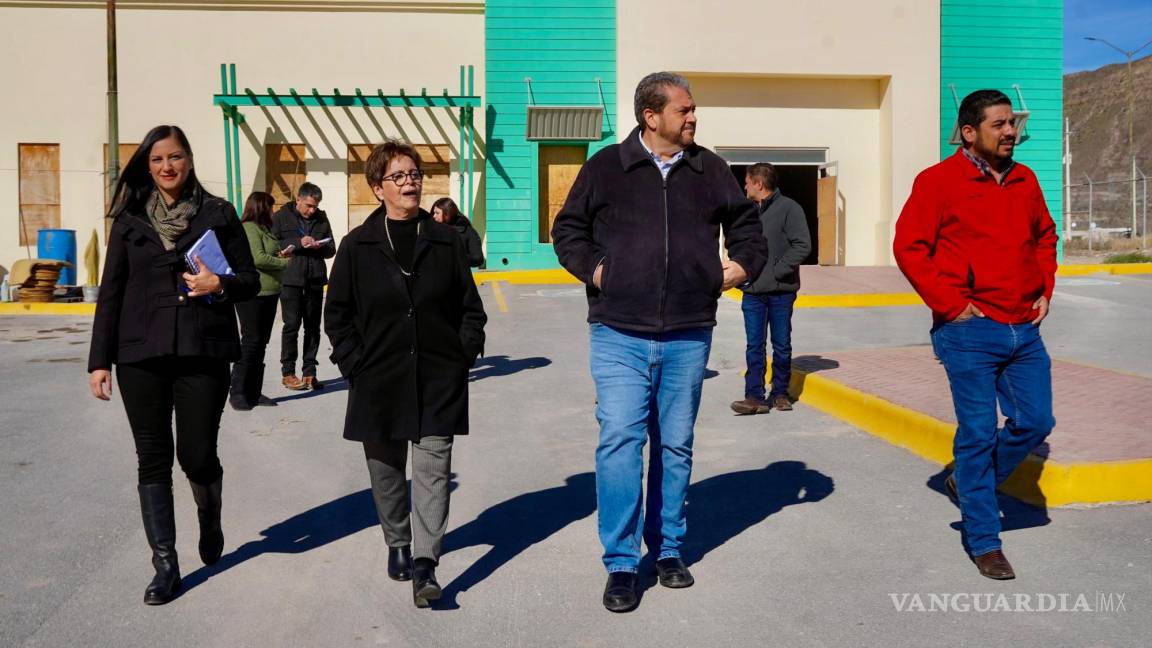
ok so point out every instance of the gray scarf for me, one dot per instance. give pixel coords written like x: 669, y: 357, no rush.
x: 171, y: 221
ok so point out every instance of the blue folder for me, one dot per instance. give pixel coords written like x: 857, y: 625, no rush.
x: 209, y: 251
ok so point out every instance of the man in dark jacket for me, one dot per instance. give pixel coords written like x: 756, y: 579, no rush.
x: 303, y: 225
x: 768, y: 300
x: 641, y: 228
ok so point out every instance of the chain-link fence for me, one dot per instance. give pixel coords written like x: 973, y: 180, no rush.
x: 1101, y: 211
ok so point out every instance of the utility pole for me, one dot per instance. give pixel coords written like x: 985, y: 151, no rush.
x: 1131, y: 111
x: 1067, y: 181
x: 113, y: 106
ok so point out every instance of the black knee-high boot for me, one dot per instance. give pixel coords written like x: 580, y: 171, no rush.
x: 208, y: 505
x: 160, y: 528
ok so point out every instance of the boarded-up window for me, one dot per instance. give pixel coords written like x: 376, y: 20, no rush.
x: 284, y: 171
x: 39, y: 190
x: 362, y: 202
x: 559, y: 166
x: 126, y: 151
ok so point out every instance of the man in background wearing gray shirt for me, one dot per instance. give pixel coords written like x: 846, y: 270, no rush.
x: 768, y: 300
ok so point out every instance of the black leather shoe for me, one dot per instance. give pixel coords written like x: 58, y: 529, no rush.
x: 264, y: 401
x: 400, y: 563
x: 620, y: 592
x: 674, y: 573
x: 239, y: 403
x: 425, y: 589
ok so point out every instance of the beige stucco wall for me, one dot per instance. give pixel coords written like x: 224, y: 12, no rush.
x: 55, y: 82
x: 858, y: 78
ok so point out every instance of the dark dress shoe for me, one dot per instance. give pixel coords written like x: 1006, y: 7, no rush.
x: 425, y: 589
x: 264, y: 401
x: 620, y: 592
x: 400, y: 563
x: 239, y: 403
x: 994, y: 565
x: 673, y: 573
x: 950, y: 486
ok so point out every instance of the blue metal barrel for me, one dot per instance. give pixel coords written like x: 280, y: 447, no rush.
x: 59, y: 244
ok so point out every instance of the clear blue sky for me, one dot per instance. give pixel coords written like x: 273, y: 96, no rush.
x: 1125, y: 23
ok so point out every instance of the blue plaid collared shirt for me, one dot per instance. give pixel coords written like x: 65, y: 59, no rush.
x: 664, y: 165
x: 986, y: 168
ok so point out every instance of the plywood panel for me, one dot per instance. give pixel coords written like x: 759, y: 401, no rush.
x: 559, y: 166
x: 284, y: 171
x: 831, y: 225
x: 39, y: 190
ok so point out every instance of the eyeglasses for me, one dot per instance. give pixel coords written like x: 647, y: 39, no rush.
x: 415, y: 175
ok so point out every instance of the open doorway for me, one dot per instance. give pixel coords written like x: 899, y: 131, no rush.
x: 798, y: 182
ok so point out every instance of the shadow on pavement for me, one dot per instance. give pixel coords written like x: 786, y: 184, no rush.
x: 502, y: 365
x: 1014, y: 513
x: 722, y: 507
x: 512, y: 526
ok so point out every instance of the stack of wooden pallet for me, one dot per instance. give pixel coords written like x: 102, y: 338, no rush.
x: 41, y: 282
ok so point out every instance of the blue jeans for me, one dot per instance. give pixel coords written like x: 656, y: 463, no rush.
x: 764, y: 313
x: 989, y: 362
x: 647, y: 386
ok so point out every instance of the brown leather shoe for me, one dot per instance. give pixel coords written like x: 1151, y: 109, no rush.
x: 310, y: 382
x: 950, y: 486
x: 751, y: 406
x: 994, y: 565
x: 290, y: 381
x: 781, y: 403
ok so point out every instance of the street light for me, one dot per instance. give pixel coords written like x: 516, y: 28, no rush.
x: 1131, y: 148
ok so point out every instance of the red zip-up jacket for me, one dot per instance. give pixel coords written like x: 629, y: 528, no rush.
x: 963, y: 238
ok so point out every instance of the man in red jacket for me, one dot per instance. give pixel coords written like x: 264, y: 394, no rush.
x: 977, y: 243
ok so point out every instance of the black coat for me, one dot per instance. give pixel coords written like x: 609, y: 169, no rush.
x: 472, y: 245
x: 307, y: 267
x: 405, y: 354
x: 141, y: 312
x: 657, y: 239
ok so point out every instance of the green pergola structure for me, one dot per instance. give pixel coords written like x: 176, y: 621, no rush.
x: 230, y: 102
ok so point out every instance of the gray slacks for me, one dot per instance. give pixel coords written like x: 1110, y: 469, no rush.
x: 419, y: 520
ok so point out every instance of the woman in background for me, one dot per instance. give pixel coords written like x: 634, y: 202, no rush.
x: 171, y: 334
x: 445, y: 211
x: 257, y: 315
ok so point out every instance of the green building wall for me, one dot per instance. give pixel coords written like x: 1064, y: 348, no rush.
x: 563, y: 46
x: 995, y: 44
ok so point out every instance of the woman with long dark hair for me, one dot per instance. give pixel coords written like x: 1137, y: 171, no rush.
x: 171, y: 333
x: 406, y: 323
x: 445, y: 211
x: 259, y: 313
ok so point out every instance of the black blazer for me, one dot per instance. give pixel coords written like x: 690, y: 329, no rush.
x: 405, y: 352
x: 141, y: 312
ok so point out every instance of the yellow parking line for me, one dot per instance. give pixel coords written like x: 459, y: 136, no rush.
x: 499, y: 295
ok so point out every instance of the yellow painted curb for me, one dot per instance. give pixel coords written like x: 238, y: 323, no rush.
x: 558, y: 276
x: 19, y: 308
x: 1104, y: 268
x: 1037, y: 481
x: 863, y: 300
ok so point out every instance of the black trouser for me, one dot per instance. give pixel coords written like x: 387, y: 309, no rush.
x: 196, y: 388
x: 256, y: 318
x: 300, y: 304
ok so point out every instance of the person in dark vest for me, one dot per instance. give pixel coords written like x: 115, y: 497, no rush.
x: 406, y: 324
x: 769, y: 299
x: 304, y: 226
x: 170, y: 333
